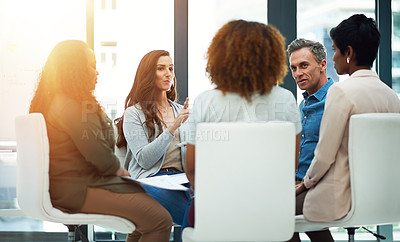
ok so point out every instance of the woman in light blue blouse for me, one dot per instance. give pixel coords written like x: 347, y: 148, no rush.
x: 153, y: 128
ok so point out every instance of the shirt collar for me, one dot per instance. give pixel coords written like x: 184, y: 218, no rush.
x: 364, y: 72
x: 320, y: 94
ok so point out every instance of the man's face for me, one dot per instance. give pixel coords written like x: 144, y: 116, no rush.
x: 305, y: 70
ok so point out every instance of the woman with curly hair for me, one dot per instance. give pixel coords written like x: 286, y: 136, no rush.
x: 246, y: 62
x: 152, y: 129
x: 85, y: 174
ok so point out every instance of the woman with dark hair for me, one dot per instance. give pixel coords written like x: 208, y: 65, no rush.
x: 246, y: 62
x: 325, y: 194
x: 355, y: 40
x: 153, y: 129
x: 85, y: 174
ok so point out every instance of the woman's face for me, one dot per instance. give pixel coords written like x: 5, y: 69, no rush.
x: 339, y: 60
x: 164, y: 73
x: 92, y: 71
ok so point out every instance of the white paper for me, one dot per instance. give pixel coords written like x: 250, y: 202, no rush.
x: 179, y: 178
x: 170, y: 182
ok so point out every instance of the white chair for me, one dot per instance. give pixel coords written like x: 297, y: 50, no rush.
x: 244, y: 183
x: 33, y: 180
x: 374, y: 162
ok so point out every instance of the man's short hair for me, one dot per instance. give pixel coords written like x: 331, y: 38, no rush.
x: 316, y: 48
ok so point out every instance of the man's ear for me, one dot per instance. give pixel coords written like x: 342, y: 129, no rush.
x: 323, y: 65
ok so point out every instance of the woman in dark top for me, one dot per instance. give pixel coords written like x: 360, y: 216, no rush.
x: 85, y: 174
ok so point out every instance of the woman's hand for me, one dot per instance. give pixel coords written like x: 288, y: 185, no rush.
x: 181, y: 118
x: 300, y: 188
x: 122, y: 172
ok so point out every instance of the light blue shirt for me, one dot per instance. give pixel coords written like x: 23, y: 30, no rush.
x: 311, y: 111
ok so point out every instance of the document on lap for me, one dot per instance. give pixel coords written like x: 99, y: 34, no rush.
x: 170, y: 182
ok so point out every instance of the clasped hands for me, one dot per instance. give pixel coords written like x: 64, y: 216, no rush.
x: 300, y: 188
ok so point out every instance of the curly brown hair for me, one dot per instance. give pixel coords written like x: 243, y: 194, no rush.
x: 246, y: 58
x: 66, y: 72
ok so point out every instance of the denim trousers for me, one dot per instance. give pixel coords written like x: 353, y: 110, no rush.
x: 176, y: 202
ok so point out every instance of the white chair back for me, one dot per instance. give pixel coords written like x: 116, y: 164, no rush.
x: 32, y: 165
x: 244, y: 182
x: 374, y: 159
x: 33, y: 179
x: 374, y: 163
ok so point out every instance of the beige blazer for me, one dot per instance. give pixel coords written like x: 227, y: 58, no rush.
x: 328, y: 176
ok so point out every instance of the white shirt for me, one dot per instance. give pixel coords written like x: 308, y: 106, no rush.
x: 214, y: 106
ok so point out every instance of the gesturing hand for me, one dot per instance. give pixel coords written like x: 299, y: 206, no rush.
x: 181, y: 118
x: 184, y: 114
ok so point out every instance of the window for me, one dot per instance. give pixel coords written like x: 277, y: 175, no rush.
x: 396, y: 46
x: 205, y: 18
x: 28, y: 30
x: 123, y: 34
x: 315, y: 18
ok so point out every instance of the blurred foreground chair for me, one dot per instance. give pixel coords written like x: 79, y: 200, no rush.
x: 244, y: 182
x: 374, y: 163
x: 33, y: 181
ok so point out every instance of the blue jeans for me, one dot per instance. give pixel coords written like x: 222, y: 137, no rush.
x: 176, y: 202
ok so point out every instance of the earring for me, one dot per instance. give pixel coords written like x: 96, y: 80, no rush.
x: 348, y: 60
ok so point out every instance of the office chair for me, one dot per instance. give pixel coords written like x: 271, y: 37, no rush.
x: 33, y: 181
x: 244, y: 182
